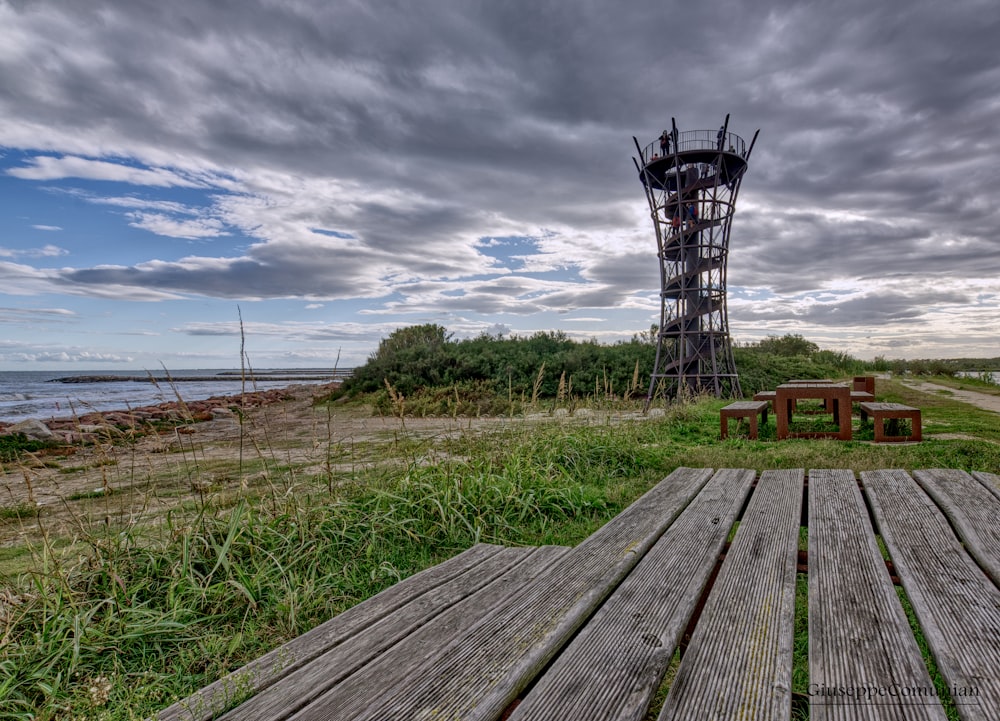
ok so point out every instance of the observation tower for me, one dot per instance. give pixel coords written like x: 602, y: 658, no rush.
x: 691, y: 180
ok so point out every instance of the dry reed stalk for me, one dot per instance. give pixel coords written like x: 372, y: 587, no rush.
x: 396, y: 397
x: 538, y: 384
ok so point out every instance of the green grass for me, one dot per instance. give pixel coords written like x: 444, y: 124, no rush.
x: 185, y: 595
x: 15, y: 446
x: 800, y: 648
x: 940, y: 685
x: 18, y: 511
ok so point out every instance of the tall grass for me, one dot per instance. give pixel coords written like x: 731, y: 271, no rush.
x: 197, y: 591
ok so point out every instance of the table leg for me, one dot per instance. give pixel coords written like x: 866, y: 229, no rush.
x: 782, y: 411
x: 844, y: 406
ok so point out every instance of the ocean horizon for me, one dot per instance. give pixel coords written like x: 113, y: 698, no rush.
x: 45, y: 395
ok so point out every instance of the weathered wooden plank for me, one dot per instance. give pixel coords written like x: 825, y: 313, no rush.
x: 957, y: 605
x: 479, y: 674
x: 269, y: 668
x: 392, y: 668
x: 990, y: 480
x: 756, y: 406
x: 739, y: 662
x: 974, y: 513
x: 859, y: 638
x: 378, y: 656
x: 614, y: 665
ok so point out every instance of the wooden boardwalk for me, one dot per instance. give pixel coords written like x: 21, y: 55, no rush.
x: 705, y: 562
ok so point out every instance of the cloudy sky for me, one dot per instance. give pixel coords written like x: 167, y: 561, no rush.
x: 328, y: 170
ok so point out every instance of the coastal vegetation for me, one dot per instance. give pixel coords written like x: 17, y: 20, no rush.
x: 436, y: 374
x: 119, y: 599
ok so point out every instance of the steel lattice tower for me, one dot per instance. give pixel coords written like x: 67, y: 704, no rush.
x: 691, y: 180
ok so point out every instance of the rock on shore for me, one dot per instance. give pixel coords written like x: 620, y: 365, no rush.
x: 94, y: 426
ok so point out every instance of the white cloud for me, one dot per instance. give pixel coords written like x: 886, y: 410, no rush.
x: 35, y: 315
x: 57, y: 357
x: 47, y: 167
x: 163, y: 206
x: 48, y: 251
x: 17, y: 279
x: 173, y: 228
x: 298, y: 331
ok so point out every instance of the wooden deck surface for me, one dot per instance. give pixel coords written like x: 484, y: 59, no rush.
x: 739, y: 663
x: 857, y: 627
x: 972, y: 510
x: 956, y: 603
x: 588, y: 632
x: 633, y: 636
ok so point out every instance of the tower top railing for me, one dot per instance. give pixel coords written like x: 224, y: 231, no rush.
x: 697, y: 140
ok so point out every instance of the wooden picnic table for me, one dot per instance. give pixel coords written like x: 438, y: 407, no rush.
x: 836, y: 396
x: 588, y: 632
x: 856, y: 396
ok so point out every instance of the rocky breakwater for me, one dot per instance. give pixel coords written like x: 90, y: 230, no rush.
x: 94, y: 427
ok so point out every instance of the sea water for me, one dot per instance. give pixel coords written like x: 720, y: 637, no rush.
x: 41, y: 395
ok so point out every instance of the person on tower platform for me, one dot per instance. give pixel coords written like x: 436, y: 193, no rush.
x: 665, y: 143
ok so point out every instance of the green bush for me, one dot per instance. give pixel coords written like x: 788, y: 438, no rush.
x: 760, y: 368
x: 427, y: 368
x: 544, y: 365
x: 14, y: 446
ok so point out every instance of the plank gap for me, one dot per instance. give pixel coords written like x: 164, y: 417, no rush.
x: 944, y: 693
x: 700, y: 606
x: 656, y: 705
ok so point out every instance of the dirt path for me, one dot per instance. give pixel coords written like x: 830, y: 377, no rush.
x: 982, y: 400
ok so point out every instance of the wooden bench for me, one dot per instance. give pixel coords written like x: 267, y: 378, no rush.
x: 750, y: 613
x: 632, y: 638
x: 588, y: 632
x: 990, y: 480
x: 857, y: 627
x: 957, y: 605
x: 768, y: 396
x: 972, y: 508
x: 865, y: 384
x: 892, y: 412
x: 744, y: 409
